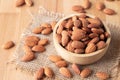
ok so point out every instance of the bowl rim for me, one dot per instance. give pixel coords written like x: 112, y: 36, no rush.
x: 80, y: 55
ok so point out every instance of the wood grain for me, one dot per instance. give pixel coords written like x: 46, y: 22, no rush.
x: 13, y: 21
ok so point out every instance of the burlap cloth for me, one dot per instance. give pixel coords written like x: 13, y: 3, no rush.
x: 110, y: 63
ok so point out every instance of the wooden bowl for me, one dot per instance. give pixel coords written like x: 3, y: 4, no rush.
x: 82, y: 59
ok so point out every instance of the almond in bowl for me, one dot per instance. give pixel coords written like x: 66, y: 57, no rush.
x: 81, y: 40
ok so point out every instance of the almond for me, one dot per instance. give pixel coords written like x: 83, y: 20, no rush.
x: 19, y: 3
x: 60, y: 29
x: 100, y: 6
x: 107, y: 34
x: 65, y: 38
x: 48, y: 72
x: 90, y: 48
x: 69, y: 47
x: 38, y: 48
x: 102, y: 36
x: 84, y: 22
x: 74, y: 18
x: 78, y: 8
x: 75, y: 68
x: 55, y: 58
x: 58, y: 37
x: 101, y: 44
x: 93, y: 35
x: 38, y: 30
x: 77, y: 44
x: 102, y: 75
x: 28, y: 56
x: 93, y: 25
x: 109, y: 11
x: 94, y: 40
x: 8, y: 45
x: 65, y: 72
x: 39, y: 74
x: 29, y: 2
x: 53, y: 23
x: 46, y: 31
x: 61, y: 63
x: 85, y: 39
x: 86, y: 29
x: 85, y: 72
x: 79, y: 51
x: 78, y: 34
x: 31, y: 40
x: 43, y: 42
x: 98, y: 31
x: 77, y: 23
x: 95, y: 21
x: 47, y: 25
x: 82, y: 15
x: 86, y: 4
x: 69, y: 24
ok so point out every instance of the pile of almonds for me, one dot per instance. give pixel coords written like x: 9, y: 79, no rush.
x: 87, y: 4
x: 82, y: 34
x: 62, y: 66
x: 34, y: 44
x: 22, y: 2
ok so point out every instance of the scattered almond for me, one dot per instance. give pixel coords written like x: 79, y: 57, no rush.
x: 100, y: 6
x: 53, y: 23
x: 61, y: 63
x: 39, y: 74
x: 109, y: 11
x: 76, y: 68
x: 65, y: 72
x: 38, y: 48
x: 46, y: 25
x: 38, y: 30
x: 78, y: 8
x: 85, y: 72
x: 19, y: 3
x: 8, y: 45
x: 27, y: 48
x: 43, y: 42
x: 29, y: 2
x: 48, y: 72
x: 86, y: 4
x: 102, y: 75
x: 46, y: 31
x: 55, y: 58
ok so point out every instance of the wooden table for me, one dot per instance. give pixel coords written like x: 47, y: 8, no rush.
x: 13, y: 21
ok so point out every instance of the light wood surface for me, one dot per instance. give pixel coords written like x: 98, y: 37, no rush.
x: 13, y: 21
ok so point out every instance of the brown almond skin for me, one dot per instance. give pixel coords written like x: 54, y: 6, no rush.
x: 93, y: 35
x: 65, y: 72
x: 77, y: 44
x: 19, y: 3
x: 84, y: 22
x: 27, y: 48
x: 65, y: 38
x: 38, y: 48
x: 107, y: 34
x: 8, y: 45
x: 90, y: 48
x: 29, y: 56
x: 46, y: 25
x: 59, y: 37
x: 48, y: 72
x: 74, y: 18
x: 76, y: 68
x: 109, y: 11
x: 38, y: 30
x: 102, y: 75
x: 60, y: 29
x: 31, y: 41
x: 69, y: 24
x: 39, y: 74
x: 61, y: 64
x: 54, y: 58
x: 79, y: 51
x: 29, y: 2
x: 86, y: 4
x: 85, y: 72
x: 94, y: 40
x: 98, y: 31
x: 77, y: 23
x: 46, y: 31
x: 102, y: 36
x: 69, y: 47
x: 93, y: 25
x: 43, y: 42
x: 100, y: 6
x: 101, y: 45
